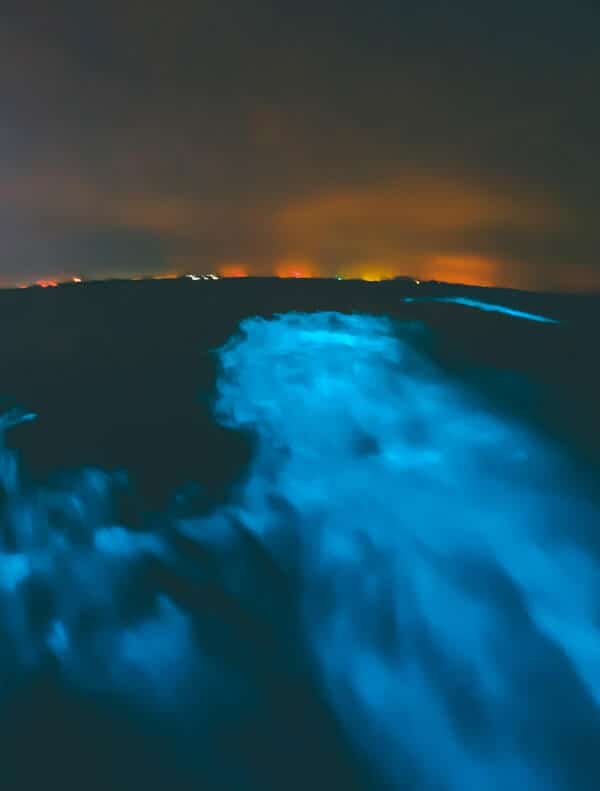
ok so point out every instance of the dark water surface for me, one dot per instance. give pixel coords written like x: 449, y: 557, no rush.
x: 354, y: 547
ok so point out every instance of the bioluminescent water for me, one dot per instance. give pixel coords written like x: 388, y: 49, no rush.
x: 399, y: 561
x: 488, y: 307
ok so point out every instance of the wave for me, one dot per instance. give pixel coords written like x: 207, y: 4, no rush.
x: 398, y: 562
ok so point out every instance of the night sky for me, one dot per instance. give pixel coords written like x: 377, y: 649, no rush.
x: 456, y: 141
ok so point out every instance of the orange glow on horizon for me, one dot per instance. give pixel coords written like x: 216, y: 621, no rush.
x: 376, y: 275
x: 469, y: 270
x: 232, y: 270
x: 296, y: 268
x: 371, y: 277
x: 373, y: 270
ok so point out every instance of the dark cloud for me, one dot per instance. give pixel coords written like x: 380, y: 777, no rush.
x: 231, y: 115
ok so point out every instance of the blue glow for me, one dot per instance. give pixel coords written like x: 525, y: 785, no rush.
x: 118, y: 541
x: 14, y: 568
x: 58, y: 639
x: 444, y: 561
x: 445, y: 571
x: 486, y: 306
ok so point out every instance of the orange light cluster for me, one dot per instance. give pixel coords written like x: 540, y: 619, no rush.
x: 469, y: 270
x: 233, y: 270
x: 375, y: 276
x: 293, y: 268
x: 46, y: 283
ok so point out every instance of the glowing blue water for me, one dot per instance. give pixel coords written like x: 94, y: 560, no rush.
x: 446, y: 572
x: 488, y: 307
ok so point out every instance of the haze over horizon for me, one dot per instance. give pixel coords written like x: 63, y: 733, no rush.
x: 451, y: 142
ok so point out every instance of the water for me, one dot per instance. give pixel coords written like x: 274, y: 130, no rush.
x: 399, y: 591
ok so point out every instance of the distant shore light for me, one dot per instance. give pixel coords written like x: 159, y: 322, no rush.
x: 233, y: 270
